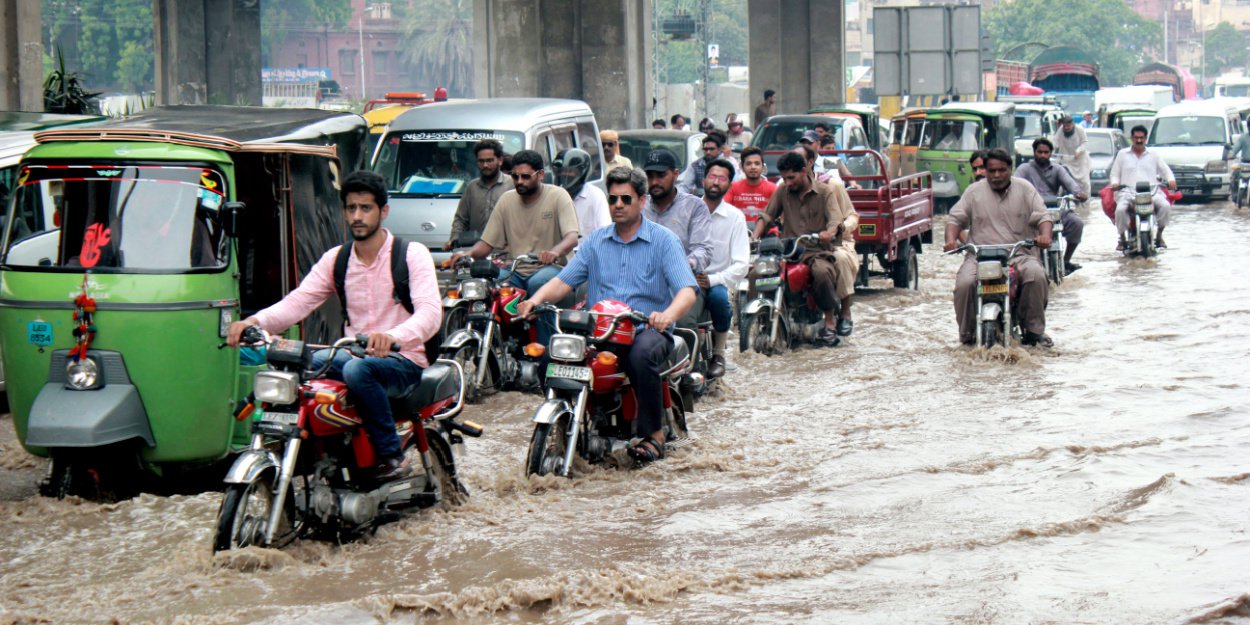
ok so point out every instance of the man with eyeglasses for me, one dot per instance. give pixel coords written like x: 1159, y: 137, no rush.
x: 691, y: 179
x: 533, y: 218
x: 641, y: 264
x: 612, y: 157
x: 731, y: 252
x: 482, y: 193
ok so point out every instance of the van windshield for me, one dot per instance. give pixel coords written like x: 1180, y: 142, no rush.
x: 1236, y: 91
x: 785, y: 134
x: 117, y: 218
x: 423, y: 163
x: 1189, y: 130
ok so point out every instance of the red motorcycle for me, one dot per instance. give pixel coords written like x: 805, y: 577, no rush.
x: 781, y: 309
x: 591, y: 409
x: 308, y: 468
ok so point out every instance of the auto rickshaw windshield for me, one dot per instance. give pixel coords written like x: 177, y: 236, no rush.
x: 117, y: 219
x: 952, y: 135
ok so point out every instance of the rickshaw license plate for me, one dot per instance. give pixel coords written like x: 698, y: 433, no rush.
x: 773, y: 281
x: 581, y: 374
x: 993, y: 289
x: 284, y: 418
x: 39, y: 333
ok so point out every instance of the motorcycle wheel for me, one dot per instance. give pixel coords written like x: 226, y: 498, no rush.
x: 451, y: 491
x: 989, y: 334
x: 1054, y: 266
x: 457, y: 319
x: 1144, y: 244
x: 547, y: 447
x: 244, y: 513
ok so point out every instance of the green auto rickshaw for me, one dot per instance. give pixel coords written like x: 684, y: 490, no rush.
x: 132, y: 245
x: 952, y: 133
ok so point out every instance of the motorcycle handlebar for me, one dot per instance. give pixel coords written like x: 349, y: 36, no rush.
x: 974, y: 248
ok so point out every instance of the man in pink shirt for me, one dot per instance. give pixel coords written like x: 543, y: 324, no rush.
x: 371, y: 309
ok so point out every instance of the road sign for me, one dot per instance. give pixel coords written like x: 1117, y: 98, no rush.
x: 927, y: 50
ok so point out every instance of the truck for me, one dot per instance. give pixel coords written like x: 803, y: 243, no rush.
x: 1070, y: 74
x: 1178, y: 79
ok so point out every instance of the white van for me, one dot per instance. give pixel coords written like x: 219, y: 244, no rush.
x: 1196, y: 140
x: 423, y: 203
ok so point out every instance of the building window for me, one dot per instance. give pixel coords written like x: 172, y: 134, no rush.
x: 347, y: 62
x: 379, y: 63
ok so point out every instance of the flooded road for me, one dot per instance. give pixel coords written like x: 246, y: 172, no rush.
x: 898, y: 479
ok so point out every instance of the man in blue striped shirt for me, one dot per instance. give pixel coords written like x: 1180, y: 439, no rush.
x: 642, y: 264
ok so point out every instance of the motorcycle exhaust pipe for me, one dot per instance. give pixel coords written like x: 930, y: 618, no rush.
x: 468, y: 428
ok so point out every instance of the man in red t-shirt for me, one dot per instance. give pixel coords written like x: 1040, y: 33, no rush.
x: 751, y: 194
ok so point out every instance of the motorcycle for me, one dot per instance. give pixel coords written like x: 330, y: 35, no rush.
x: 1052, y: 260
x: 591, y: 408
x: 1243, y: 185
x: 997, y: 287
x: 698, y: 341
x: 307, y: 468
x: 1141, y: 227
x: 783, y: 310
x: 479, y: 333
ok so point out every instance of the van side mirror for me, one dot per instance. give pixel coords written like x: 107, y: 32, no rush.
x: 232, y: 218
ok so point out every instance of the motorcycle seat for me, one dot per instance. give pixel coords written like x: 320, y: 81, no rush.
x: 438, y: 382
x: 676, y: 357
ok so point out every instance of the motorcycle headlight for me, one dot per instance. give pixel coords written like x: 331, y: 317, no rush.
x: 1217, y: 167
x: 276, y: 387
x: 766, y: 267
x: 568, y: 347
x: 473, y: 289
x: 989, y: 270
x: 82, y: 374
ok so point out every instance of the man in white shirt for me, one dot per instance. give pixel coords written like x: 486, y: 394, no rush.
x: 573, y: 169
x: 731, y: 251
x: 1134, y: 164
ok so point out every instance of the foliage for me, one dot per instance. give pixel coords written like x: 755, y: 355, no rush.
x: 440, y: 52
x: 108, y: 42
x: 1225, y: 48
x: 63, y: 92
x: 279, y: 16
x: 1109, y: 30
x: 681, y: 61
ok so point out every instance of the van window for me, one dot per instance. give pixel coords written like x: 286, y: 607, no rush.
x: 542, y: 144
x: 588, y: 139
x: 1188, y: 130
x: 564, y: 139
x: 424, y: 163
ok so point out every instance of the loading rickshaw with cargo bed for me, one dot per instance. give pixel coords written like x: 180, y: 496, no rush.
x: 132, y: 247
x: 895, y: 217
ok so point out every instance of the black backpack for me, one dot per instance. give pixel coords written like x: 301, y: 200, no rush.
x: 399, y: 275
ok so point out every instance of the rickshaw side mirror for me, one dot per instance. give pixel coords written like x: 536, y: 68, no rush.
x: 232, y: 217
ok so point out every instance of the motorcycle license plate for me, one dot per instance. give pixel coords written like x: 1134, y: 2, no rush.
x: 581, y: 374
x: 281, y: 418
x: 992, y: 289
x: 766, y: 282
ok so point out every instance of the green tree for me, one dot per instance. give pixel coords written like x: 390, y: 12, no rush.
x: 440, y: 50
x: 136, y: 61
x: 1225, y: 48
x: 279, y: 16
x: 1109, y: 30
x: 681, y: 60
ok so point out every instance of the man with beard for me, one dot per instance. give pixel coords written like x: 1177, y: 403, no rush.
x: 1002, y: 210
x: 731, y: 252
x: 808, y: 207
x: 534, y: 218
x: 373, y: 308
x: 1049, y: 180
x: 691, y: 179
x: 681, y: 213
x: 1072, y: 149
x: 642, y: 265
x: 482, y: 193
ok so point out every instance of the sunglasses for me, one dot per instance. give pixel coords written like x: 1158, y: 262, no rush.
x: 608, y: 144
x: 624, y: 199
x: 526, y: 177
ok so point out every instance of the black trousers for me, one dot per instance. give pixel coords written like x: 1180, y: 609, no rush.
x: 642, y: 362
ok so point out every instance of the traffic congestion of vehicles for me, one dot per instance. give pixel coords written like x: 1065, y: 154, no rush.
x: 185, y: 239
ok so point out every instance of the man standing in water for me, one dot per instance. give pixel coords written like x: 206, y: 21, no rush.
x: 642, y: 264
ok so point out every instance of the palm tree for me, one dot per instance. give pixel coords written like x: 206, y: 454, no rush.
x: 440, y: 35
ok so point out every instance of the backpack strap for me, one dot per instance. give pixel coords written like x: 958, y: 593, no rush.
x: 340, y: 277
x: 399, y: 273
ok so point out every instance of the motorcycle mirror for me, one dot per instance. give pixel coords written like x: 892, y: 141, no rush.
x: 232, y: 217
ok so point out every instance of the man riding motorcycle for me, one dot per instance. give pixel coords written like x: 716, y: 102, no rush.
x: 372, y: 309
x: 808, y: 207
x: 1050, y: 180
x: 643, y: 265
x: 1134, y: 164
x: 1001, y: 210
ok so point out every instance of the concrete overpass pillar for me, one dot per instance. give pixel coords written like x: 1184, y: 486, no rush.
x: 592, y: 50
x: 798, y: 49
x: 207, y: 51
x: 21, y: 69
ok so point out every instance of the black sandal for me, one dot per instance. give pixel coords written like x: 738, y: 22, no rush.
x: 647, y: 450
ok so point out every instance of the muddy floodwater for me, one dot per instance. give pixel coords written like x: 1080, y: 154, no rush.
x: 900, y: 478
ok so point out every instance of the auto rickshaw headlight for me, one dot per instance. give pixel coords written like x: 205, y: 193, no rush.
x: 82, y: 374
x: 276, y: 387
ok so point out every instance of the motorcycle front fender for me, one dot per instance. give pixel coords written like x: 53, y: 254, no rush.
x: 251, y: 464
x: 551, y: 410
x: 756, y: 306
x: 449, y: 303
x: 460, y: 338
x: 991, y: 311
